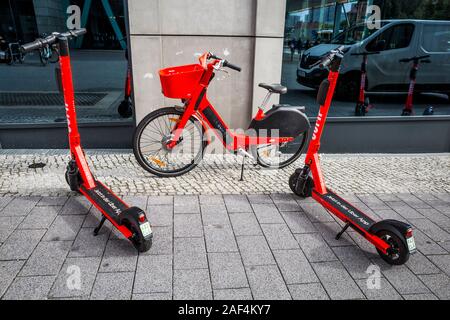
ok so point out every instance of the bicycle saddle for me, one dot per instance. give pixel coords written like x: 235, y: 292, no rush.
x: 274, y: 88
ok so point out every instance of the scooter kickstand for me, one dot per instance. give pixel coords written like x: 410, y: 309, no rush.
x: 97, y: 230
x: 339, y: 235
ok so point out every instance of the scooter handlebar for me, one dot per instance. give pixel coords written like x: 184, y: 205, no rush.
x: 41, y: 43
x: 416, y: 59
x: 329, y: 58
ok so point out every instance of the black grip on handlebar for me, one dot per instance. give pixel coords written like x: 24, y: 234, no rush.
x: 328, y: 59
x: 232, y: 66
x: 79, y: 32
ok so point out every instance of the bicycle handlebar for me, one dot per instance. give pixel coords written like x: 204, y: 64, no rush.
x: 329, y: 58
x: 417, y: 59
x: 42, y: 42
x: 226, y: 63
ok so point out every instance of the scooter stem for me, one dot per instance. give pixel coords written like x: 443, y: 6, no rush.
x: 72, y: 123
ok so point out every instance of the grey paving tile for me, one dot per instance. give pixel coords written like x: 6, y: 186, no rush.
x: 20, y: 206
x: 162, y: 242
x: 439, y: 284
x: 113, y: 286
x: 267, y: 213
x: 237, y: 203
x: 423, y: 296
x: 93, y: 219
x: 387, y: 197
x: 119, y: 256
x: 403, y: 280
x: 8, y: 271
x: 52, y: 201
x: 372, y: 201
x: 188, y: 225
x: 20, y: 244
x: 76, y: 278
x: 443, y: 262
x: 40, y: 217
x: 136, y: 201
x: 294, y: 267
x: 159, y: 200
x: 437, y: 217
x: 186, y: 204
x: 255, y: 251
x: 153, y: 274
x: 7, y: 226
x: 233, y: 294
x: 444, y: 197
x: 4, y: 202
x: 227, y: 270
x: 431, y: 229
x: 298, y: 222
x: 259, y: 199
x: 316, y: 213
x: 407, y: 212
x: 190, y: 253
x: 220, y: 239
x: 420, y: 264
x: 386, y: 214
x: 29, y: 288
x: 329, y: 230
x: 152, y: 296
x: 354, y: 260
x: 245, y: 224
x: 285, y: 202
x: 160, y: 215
x: 384, y: 292
x: 192, y: 285
x: 88, y: 245
x: 64, y: 228
x: 315, y: 248
x: 76, y: 206
x: 412, y: 200
x: 214, y: 215
x: 426, y: 245
x: 279, y: 236
x: 308, y: 291
x: 365, y: 246
x: 267, y: 283
x: 337, y: 282
x: 47, y: 259
x: 211, y: 200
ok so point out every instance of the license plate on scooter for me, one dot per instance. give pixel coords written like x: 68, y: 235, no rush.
x: 411, y: 244
x: 146, y: 229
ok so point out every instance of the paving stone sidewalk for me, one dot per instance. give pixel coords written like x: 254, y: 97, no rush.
x: 219, y: 247
x: 346, y: 174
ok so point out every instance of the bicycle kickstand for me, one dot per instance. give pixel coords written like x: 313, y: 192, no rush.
x: 242, y: 169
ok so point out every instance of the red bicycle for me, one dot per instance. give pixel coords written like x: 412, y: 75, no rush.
x: 171, y: 141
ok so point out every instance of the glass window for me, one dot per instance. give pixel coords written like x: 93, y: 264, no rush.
x: 28, y: 89
x: 388, y: 80
x: 436, y: 38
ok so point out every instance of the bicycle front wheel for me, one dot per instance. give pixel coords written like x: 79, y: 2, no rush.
x: 280, y: 156
x: 150, y: 143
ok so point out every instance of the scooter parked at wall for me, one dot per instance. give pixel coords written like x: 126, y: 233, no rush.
x: 363, y: 105
x: 409, y: 107
x: 393, y: 239
x: 170, y: 142
x: 130, y: 221
x: 125, y: 108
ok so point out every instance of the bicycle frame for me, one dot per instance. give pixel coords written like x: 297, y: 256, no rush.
x: 200, y: 107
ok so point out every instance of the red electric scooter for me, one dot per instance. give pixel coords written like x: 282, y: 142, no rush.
x: 125, y: 108
x: 130, y: 221
x: 409, y: 108
x: 363, y: 105
x: 393, y: 239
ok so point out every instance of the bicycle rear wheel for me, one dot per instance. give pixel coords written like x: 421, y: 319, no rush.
x: 150, y: 144
x: 280, y: 156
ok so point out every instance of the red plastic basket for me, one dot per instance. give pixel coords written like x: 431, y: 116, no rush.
x: 180, y: 82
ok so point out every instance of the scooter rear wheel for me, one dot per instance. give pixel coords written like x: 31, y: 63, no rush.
x: 398, y: 253
x: 137, y: 239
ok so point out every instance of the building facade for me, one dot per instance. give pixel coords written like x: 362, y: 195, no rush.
x: 268, y: 39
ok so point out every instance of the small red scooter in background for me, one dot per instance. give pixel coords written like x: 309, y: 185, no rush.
x: 409, y: 107
x: 363, y: 105
x: 130, y: 221
x: 125, y: 108
x: 393, y: 239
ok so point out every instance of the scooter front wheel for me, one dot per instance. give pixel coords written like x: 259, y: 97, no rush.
x: 301, y: 187
x: 398, y: 252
